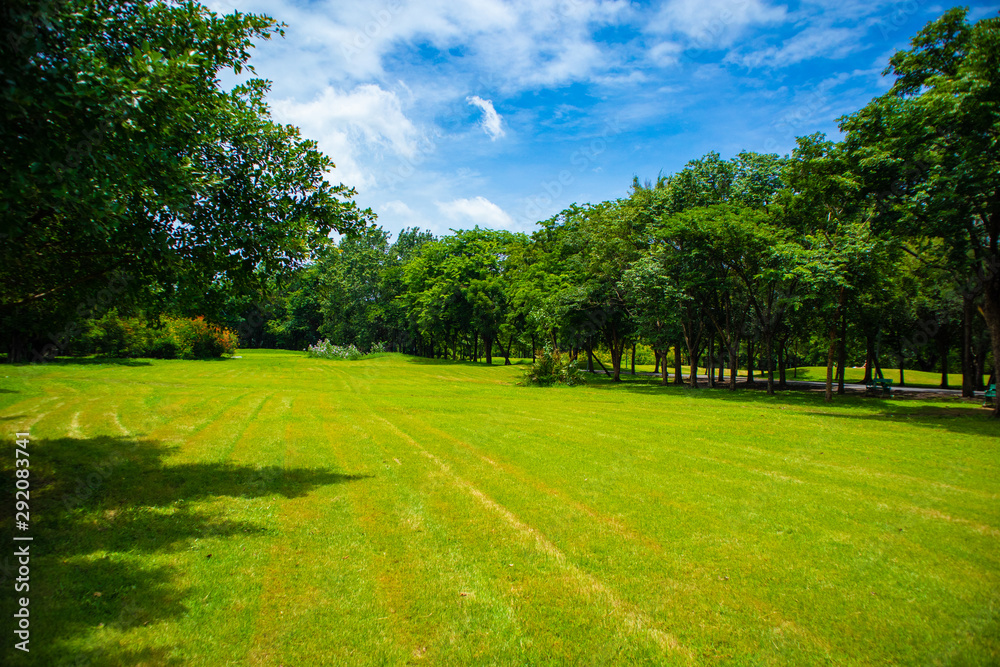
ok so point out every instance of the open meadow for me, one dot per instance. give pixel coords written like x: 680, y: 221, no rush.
x: 276, y: 509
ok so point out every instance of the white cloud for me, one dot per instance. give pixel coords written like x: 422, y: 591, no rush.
x: 478, y: 211
x: 818, y: 41
x: 665, y: 53
x: 353, y: 127
x: 714, y: 23
x: 491, y: 122
x: 397, y: 207
x: 513, y: 45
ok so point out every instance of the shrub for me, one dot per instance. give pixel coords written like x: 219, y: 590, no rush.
x: 164, y: 338
x: 197, y: 339
x: 551, y: 368
x: 324, y: 349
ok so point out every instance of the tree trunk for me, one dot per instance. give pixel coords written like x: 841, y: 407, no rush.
x: 979, y: 360
x: 769, y: 347
x: 693, y: 355
x: 475, y: 349
x: 616, y: 346
x: 750, y: 361
x: 488, y: 349
x: 902, y: 376
x: 831, y: 352
x: 590, y: 359
x: 677, y: 363
x: 633, y: 358
x: 722, y: 362
x: 597, y: 359
x: 656, y: 368
x: 663, y: 366
x: 968, y: 368
x: 18, y: 349
x: 709, y: 363
x: 734, y: 362
x: 506, y: 353
x: 782, y: 362
x: 842, y: 352
x: 991, y: 313
x: 943, y: 352
x: 869, y: 358
x: 828, y: 397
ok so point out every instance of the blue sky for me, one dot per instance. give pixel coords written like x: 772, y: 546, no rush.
x: 447, y: 114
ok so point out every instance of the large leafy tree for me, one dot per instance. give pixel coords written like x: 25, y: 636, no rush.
x: 127, y: 170
x: 928, y: 149
x: 460, y: 284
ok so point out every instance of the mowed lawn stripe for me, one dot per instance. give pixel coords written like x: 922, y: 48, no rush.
x: 437, y: 604
x: 314, y: 576
x: 726, y: 475
x: 635, y: 564
x: 583, y: 584
x: 487, y: 523
x: 213, y: 438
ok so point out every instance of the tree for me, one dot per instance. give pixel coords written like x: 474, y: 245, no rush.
x: 460, y: 284
x: 125, y: 163
x: 927, y: 150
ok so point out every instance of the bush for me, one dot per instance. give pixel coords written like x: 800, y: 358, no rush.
x: 551, y: 368
x: 324, y: 349
x: 164, y: 338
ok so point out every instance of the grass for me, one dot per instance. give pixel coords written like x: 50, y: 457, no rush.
x: 281, y: 510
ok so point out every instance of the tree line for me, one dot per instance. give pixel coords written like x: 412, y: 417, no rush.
x: 881, y: 247
x: 132, y: 181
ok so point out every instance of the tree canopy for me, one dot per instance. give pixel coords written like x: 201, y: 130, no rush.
x: 128, y: 168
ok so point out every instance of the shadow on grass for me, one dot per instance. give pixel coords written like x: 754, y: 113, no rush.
x: 99, y: 508
x: 111, y: 361
x: 966, y: 419
x: 88, y: 361
x: 946, y: 413
x: 497, y: 362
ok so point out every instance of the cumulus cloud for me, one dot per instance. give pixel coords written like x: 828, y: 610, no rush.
x: 491, y: 122
x: 477, y: 211
x: 354, y: 126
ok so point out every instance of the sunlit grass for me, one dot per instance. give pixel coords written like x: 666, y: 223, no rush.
x: 277, y: 509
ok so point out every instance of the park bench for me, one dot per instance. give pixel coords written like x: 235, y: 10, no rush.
x: 880, y: 385
x: 991, y: 395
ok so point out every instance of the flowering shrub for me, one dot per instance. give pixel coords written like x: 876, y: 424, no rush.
x: 170, y: 338
x: 550, y: 368
x: 324, y: 349
x: 197, y: 339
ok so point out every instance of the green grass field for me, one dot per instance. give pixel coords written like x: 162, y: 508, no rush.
x: 281, y: 510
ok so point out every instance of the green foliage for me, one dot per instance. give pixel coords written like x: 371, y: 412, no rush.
x: 553, y: 368
x: 460, y: 283
x: 121, y: 153
x: 163, y: 338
